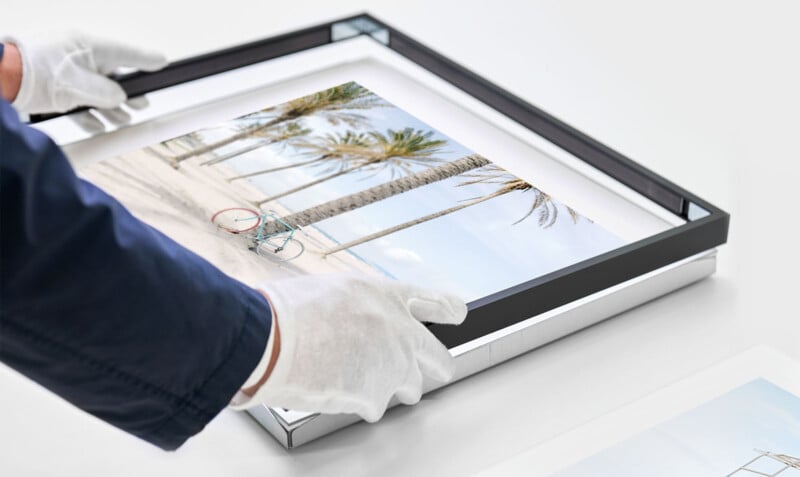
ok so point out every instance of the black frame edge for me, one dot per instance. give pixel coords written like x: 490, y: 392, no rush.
x: 566, y: 285
x: 207, y: 64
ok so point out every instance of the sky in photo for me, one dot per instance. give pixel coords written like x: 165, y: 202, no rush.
x: 713, y: 439
x: 473, y: 252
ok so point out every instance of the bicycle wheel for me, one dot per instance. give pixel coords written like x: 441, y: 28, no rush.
x: 236, y: 220
x: 280, y: 249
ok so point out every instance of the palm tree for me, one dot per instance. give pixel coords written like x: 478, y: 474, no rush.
x: 285, y: 133
x: 336, y: 104
x: 374, y: 194
x: 492, y: 174
x: 398, y: 150
x: 332, y: 147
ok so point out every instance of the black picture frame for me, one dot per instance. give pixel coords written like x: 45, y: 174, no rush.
x: 702, y: 231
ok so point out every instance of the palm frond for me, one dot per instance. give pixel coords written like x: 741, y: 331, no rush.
x: 573, y: 214
x: 542, y: 202
x: 332, y: 102
x: 537, y: 202
x: 548, y: 214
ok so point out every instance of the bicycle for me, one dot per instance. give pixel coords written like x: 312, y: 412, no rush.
x: 281, y: 246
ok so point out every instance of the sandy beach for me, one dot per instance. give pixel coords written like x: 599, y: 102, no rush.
x: 180, y: 202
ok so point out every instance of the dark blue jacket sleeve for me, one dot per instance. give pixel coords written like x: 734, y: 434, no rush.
x: 107, y: 312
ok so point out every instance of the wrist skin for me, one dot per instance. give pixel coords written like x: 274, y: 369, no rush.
x: 10, y: 72
x: 276, y: 349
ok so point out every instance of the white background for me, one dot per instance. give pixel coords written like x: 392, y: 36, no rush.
x: 704, y: 93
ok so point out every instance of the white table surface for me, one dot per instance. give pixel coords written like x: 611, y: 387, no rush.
x: 704, y: 93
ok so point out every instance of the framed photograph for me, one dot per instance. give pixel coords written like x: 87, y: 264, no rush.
x: 349, y: 147
x: 737, y: 418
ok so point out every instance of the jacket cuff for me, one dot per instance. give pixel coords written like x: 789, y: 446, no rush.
x: 225, y: 381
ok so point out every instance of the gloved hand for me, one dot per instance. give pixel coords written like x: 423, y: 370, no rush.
x: 349, y: 343
x: 64, y: 73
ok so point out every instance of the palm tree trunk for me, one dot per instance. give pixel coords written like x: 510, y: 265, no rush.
x: 276, y: 169
x: 230, y: 139
x: 374, y: 194
x: 310, y: 184
x: 414, y: 222
x: 238, y: 152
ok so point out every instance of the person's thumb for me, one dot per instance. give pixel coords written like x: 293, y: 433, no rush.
x: 110, y: 55
x: 96, y: 91
x: 441, y: 308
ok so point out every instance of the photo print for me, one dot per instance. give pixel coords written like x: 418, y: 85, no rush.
x: 753, y: 430
x: 341, y: 180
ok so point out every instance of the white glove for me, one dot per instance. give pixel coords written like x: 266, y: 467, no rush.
x: 349, y: 343
x: 62, y: 74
